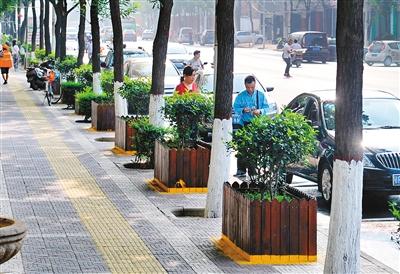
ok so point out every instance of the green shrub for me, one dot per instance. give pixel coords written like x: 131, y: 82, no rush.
x: 33, y: 61
x: 268, y: 145
x: 66, y: 67
x: 137, y: 93
x: 84, y: 74
x: 187, y: 113
x: 40, y: 54
x: 144, y: 139
x: 394, y: 208
x: 85, y: 98
x: 69, y: 90
x: 107, y: 82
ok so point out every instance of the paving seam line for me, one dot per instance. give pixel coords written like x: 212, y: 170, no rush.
x: 121, y: 248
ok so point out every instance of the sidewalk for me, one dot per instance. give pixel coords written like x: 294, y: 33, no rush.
x: 86, y: 213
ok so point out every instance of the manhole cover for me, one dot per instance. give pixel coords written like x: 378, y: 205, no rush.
x: 188, y: 212
x: 105, y: 139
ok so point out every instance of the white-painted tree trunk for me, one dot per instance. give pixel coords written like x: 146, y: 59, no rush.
x: 345, y: 221
x: 96, y: 83
x: 121, y: 104
x: 219, y: 167
x: 156, y: 116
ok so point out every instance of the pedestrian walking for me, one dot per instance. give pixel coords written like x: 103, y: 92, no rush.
x: 248, y: 104
x: 15, y: 54
x: 5, y: 62
x: 287, y: 50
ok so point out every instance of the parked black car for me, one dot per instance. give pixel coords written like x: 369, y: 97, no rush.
x: 315, y: 43
x: 381, y: 135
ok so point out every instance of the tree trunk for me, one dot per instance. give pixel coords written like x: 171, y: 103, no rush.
x: 343, y: 252
x: 222, y: 128
x: 63, y: 34
x: 94, y: 20
x: 57, y: 28
x: 18, y: 19
x: 47, y: 41
x: 159, y: 58
x: 251, y: 15
x: 41, y: 35
x: 121, y: 106
x: 34, y: 25
x: 81, y: 32
x: 22, y: 30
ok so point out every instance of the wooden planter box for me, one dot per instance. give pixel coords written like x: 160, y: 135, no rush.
x: 68, y: 98
x: 269, y: 232
x: 123, y: 134
x: 189, y: 165
x: 103, y: 116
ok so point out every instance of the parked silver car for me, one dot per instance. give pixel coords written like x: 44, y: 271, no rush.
x: 242, y: 37
x: 386, y: 52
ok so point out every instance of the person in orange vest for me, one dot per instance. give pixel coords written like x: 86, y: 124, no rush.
x: 5, y: 62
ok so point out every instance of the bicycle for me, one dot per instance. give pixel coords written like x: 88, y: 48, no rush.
x: 50, y: 86
x: 48, y: 93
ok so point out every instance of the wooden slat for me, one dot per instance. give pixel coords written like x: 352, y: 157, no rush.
x: 94, y: 114
x: 179, y: 166
x: 312, y: 227
x: 285, y: 235
x: 294, y: 227
x: 172, y: 165
x: 267, y: 242
x: 129, y: 135
x: 256, y: 227
x: 186, y: 168
x: 275, y: 227
x: 303, y: 227
x: 224, y: 208
x: 200, y: 165
x: 156, y: 162
x: 193, y: 167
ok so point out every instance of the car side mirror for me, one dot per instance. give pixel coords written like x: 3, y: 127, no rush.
x: 269, y: 89
x: 103, y: 64
x: 205, y: 63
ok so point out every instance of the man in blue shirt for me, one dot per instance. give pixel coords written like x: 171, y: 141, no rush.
x: 249, y: 104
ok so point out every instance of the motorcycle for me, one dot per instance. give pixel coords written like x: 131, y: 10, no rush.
x: 297, y: 57
x: 37, y: 76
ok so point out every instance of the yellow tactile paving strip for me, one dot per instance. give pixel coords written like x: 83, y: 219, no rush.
x: 120, y: 246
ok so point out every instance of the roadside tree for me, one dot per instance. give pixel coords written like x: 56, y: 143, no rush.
x: 159, y: 57
x: 222, y: 128
x: 343, y: 252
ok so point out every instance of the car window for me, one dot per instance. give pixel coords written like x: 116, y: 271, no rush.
x: 299, y: 105
x: 137, y: 68
x: 393, y: 45
x: 312, y: 113
x: 376, y: 47
x: 176, y: 49
x: 376, y: 113
x: 315, y: 39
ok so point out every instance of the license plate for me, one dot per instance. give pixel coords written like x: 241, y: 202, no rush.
x: 374, y: 54
x: 315, y: 49
x: 396, y: 179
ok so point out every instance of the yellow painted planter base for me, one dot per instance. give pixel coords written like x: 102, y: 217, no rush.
x: 242, y: 257
x: 95, y: 130
x: 156, y: 185
x: 120, y: 151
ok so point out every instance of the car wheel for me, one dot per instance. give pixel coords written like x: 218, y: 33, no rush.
x: 259, y: 41
x: 288, y: 178
x: 323, y: 61
x: 370, y: 63
x: 388, y: 61
x: 325, y: 182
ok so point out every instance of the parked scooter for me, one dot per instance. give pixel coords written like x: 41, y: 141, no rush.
x: 37, y: 76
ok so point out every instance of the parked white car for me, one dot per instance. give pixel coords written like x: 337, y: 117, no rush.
x: 242, y: 37
x: 386, y: 52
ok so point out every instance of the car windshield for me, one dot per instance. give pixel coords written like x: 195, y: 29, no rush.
x: 176, y: 49
x: 133, y: 54
x: 143, y: 69
x: 377, y: 113
x: 315, y: 39
x: 238, y: 83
